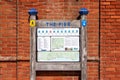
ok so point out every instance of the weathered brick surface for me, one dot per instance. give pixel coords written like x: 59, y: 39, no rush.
x: 7, y: 40
x: 7, y: 28
x: 93, y: 73
x: 23, y: 69
x: 110, y: 46
x: 16, y: 39
x: 7, y: 70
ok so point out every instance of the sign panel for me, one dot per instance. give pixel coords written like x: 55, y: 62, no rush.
x: 58, y: 44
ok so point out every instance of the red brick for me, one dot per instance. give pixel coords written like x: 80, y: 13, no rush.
x: 118, y: 17
x: 105, y: 3
x: 110, y: 41
x: 8, y: 71
x: 110, y: 0
x: 19, y: 43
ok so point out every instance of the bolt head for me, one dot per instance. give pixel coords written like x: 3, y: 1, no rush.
x: 83, y: 11
x: 32, y: 11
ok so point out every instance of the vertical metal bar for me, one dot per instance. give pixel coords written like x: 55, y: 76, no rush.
x: 33, y: 13
x: 83, y: 54
x: 83, y: 50
x: 83, y: 12
x: 33, y: 53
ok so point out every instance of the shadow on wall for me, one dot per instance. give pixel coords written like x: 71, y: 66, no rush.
x: 66, y: 74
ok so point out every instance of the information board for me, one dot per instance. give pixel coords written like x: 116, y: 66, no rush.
x: 58, y: 44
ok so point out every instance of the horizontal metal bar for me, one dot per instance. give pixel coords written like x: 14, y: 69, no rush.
x: 55, y: 66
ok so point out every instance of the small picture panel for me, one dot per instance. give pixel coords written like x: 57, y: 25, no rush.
x: 64, y: 43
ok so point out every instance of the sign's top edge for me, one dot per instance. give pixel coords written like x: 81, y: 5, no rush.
x: 58, y: 23
x: 55, y: 20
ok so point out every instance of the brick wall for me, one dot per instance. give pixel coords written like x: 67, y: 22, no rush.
x: 110, y: 40
x: 15, y: 37
x: 7, y: 40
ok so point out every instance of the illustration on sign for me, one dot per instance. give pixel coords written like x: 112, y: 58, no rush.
x: 84, y: 23
x: 32, y: 23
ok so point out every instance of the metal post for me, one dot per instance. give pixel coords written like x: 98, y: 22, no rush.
x: 83, y: 12
x: 33, y: 13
